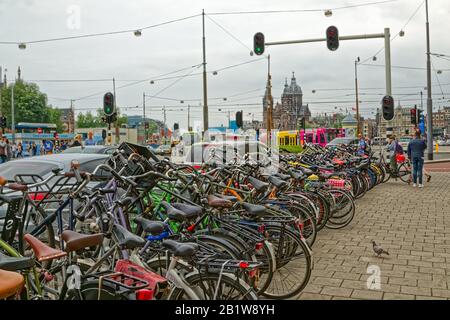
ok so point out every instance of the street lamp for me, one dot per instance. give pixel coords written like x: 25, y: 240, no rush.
x: 138, y: 33
x: 401, y: 33
x: 22, y: 46
x: 328, y: 13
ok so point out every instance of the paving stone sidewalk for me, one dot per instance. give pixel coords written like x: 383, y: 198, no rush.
x: 412, y: 224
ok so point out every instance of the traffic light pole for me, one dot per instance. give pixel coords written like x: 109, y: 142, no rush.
x: 269, y: 109
x: 117, y: 114
x: 387, y: 49
x: 205, y: 94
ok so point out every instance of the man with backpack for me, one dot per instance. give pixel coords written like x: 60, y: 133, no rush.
x: 362, y: 145
x: 416, y: 150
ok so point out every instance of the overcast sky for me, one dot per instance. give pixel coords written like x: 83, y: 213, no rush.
x: 176, y: 46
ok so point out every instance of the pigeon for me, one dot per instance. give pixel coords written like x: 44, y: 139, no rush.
x: 378, y: 249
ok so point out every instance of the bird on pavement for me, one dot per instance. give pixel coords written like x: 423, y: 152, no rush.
x: 378, y: 249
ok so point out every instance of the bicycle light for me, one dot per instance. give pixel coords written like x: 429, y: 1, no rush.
x: 144, y: 294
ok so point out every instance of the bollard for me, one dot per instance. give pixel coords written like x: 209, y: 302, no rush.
x: 437, y: 147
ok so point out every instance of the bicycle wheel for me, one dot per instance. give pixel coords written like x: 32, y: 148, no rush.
x: 208, y: 287
x: 404, y: 173
x: 294, y: 263
x: 90, y: 290
x: 344, y: 210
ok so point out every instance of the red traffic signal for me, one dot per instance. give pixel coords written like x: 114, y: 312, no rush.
x: 332, y: 37
x: 239, y: 120
x: 413, y: 116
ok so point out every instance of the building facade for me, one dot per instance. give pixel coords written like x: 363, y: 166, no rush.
x: 441, y: 121
x: 287, y: 114
x: 401, y: 123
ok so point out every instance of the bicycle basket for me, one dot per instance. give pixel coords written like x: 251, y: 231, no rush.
x: 336, y: 183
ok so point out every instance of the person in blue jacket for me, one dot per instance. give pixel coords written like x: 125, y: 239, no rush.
x: 416, y: 148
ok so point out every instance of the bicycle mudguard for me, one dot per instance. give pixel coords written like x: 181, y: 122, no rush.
x: 155, y: 282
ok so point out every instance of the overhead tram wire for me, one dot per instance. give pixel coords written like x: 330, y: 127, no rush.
x: 301, y: 10
x: 102, y: 33
x: 396, y: 35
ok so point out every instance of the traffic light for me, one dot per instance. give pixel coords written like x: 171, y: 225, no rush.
x: 413, y: 112
x: 332, y: 35
x: 176, y: 126
x: 146, y: 125
x: 108, y: 103
x: 3, y: 122
x: 420, y: 117
x: 258, y: 43
x: 103, y: 134
x: 388, y: 107
x: 239, y: 119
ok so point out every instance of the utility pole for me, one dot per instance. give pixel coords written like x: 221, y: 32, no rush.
x: 429, y: 99
x: 13, y: 126
x: 205, y: 94
x: 144, y: 121
x: 164, y: 110
x: 269, y: 109
x: 117, y: 114
x: 358, y: 126
x: 189, y: 117
x: 72, y: 118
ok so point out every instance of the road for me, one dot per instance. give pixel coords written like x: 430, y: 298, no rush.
x: 412, y: 224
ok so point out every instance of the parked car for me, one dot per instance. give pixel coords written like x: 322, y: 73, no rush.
x: 163, y: 149
x: 91, y: 149
x: 43, y: 165
x: 343, y: 141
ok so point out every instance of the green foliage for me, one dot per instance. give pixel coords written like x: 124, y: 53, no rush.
x: 291, y: 149
x: 29, y: 103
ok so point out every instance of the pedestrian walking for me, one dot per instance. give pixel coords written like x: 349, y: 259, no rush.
x: 9, y: 153
x: 416, y: 148
x: 19, y: 150
x: 3, y: 151
x: 33, y: 149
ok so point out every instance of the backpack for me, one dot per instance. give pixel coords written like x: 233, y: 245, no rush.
x: 398, y: 148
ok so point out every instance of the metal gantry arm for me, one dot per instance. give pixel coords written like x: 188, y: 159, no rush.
x: 386, y: 35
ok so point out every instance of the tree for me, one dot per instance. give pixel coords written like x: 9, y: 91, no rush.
x: 29, y: 103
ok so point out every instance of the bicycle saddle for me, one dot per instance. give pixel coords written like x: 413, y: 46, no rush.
x: 259, y: 185
x: 10, y: 283
x: 296, y: 175
x: 254, y: 210
x: 282, y: 176
x: 127, y: 239
x: 277, y: 182
x: 216, y: 202
x: 182, y: 213
x: 42, y: 251
x: 181, y: 249
x: 153, y: 227
x: 15, y: 263
x: 76, y: 241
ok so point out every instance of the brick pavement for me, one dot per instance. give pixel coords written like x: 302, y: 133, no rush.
x: 412, y: 224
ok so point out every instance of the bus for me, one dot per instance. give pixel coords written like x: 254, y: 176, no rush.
x: 29, y: 132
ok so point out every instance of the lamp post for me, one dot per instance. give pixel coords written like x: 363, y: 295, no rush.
x: 429, y: 99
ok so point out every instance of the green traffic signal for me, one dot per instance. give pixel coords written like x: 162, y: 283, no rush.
x: 258, y: 43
